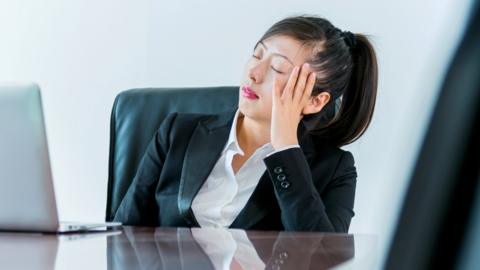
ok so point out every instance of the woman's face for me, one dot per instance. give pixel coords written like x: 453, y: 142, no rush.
x: 275, y: 56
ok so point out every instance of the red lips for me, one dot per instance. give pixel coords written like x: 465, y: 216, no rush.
x: 248, y: 92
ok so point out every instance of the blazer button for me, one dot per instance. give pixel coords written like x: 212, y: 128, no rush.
x: 285, y: 184
x: 278, y: 170
x: 281, y: 177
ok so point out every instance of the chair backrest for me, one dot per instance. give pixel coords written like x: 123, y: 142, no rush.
x: 138, y: 113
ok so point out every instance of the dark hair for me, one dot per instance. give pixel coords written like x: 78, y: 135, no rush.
x: 346, y: 67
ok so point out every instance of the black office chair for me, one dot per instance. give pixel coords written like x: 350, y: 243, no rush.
x: 137, y: 114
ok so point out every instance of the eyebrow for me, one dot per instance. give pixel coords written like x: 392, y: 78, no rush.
x: 277, y: 54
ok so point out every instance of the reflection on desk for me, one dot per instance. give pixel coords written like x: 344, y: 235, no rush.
x: 27, y: 251
x: 183, y: 248
x: 19, y: 250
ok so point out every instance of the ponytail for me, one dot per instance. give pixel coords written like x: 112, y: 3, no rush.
x: 358, y: 99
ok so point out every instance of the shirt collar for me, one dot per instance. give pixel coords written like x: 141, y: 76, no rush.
x: 232, y: 142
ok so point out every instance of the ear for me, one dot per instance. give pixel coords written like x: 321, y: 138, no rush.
x: 316, y: 103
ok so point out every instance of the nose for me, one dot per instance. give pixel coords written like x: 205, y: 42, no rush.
x: 256, y: 71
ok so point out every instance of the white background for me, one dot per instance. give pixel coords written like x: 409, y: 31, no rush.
x: 83, y: 53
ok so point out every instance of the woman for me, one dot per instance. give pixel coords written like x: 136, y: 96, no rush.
x: 274, y: 163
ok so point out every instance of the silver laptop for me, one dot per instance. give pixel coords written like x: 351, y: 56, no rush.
x: 27, y: 197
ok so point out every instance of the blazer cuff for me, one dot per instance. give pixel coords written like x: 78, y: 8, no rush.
x: 301, y: 207
x: 289, y: 171
x: 283, y: 149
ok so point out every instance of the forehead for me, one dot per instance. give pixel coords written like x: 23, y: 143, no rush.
x: 295, y: 50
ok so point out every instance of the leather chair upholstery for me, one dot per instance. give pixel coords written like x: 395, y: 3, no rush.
x: 138, y: 113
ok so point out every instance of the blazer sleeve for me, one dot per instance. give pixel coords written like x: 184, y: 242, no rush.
x: 302, y: 207
x: 139, y: 207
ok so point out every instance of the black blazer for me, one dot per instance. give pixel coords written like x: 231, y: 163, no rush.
x: 307, y: 189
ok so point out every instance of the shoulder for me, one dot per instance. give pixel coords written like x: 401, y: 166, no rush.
x: 322, y: 148
x: 332, y: 150
x: 184, y: 119
x: 177, y: 121
x: 179, y: 124
x: 337, y: 161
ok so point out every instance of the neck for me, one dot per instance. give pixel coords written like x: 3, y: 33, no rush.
x: 252, y: 134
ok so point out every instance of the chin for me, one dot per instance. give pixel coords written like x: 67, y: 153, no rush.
x: 253, y: 113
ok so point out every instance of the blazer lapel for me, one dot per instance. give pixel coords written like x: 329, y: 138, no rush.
x: 203, y: 151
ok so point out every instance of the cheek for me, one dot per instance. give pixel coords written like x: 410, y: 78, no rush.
x: 281, y: 82
x: 281, y: 79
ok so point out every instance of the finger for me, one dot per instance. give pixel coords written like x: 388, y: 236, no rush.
x: 309, y: 86
x: 300, y: 86
x: 287, y: 92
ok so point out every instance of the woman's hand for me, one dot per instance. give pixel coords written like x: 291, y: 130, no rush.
x: 288, y: 104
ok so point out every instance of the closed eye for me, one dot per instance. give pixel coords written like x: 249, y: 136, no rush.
x: 279, y: 72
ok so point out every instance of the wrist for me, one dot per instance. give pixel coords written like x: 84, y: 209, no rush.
x: 284, y: 143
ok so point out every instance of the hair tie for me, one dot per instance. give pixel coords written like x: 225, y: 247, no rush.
x: 350, y: 39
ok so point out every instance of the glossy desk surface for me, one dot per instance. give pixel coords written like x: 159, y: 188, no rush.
x: 187, y: 248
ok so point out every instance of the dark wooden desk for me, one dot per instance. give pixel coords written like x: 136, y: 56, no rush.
x: 183, y: 248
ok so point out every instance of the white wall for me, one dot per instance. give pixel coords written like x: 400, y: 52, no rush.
x: 82, y: 53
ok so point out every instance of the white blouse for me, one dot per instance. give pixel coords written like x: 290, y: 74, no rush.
x: 224, y: 194
x: 225, y: 247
